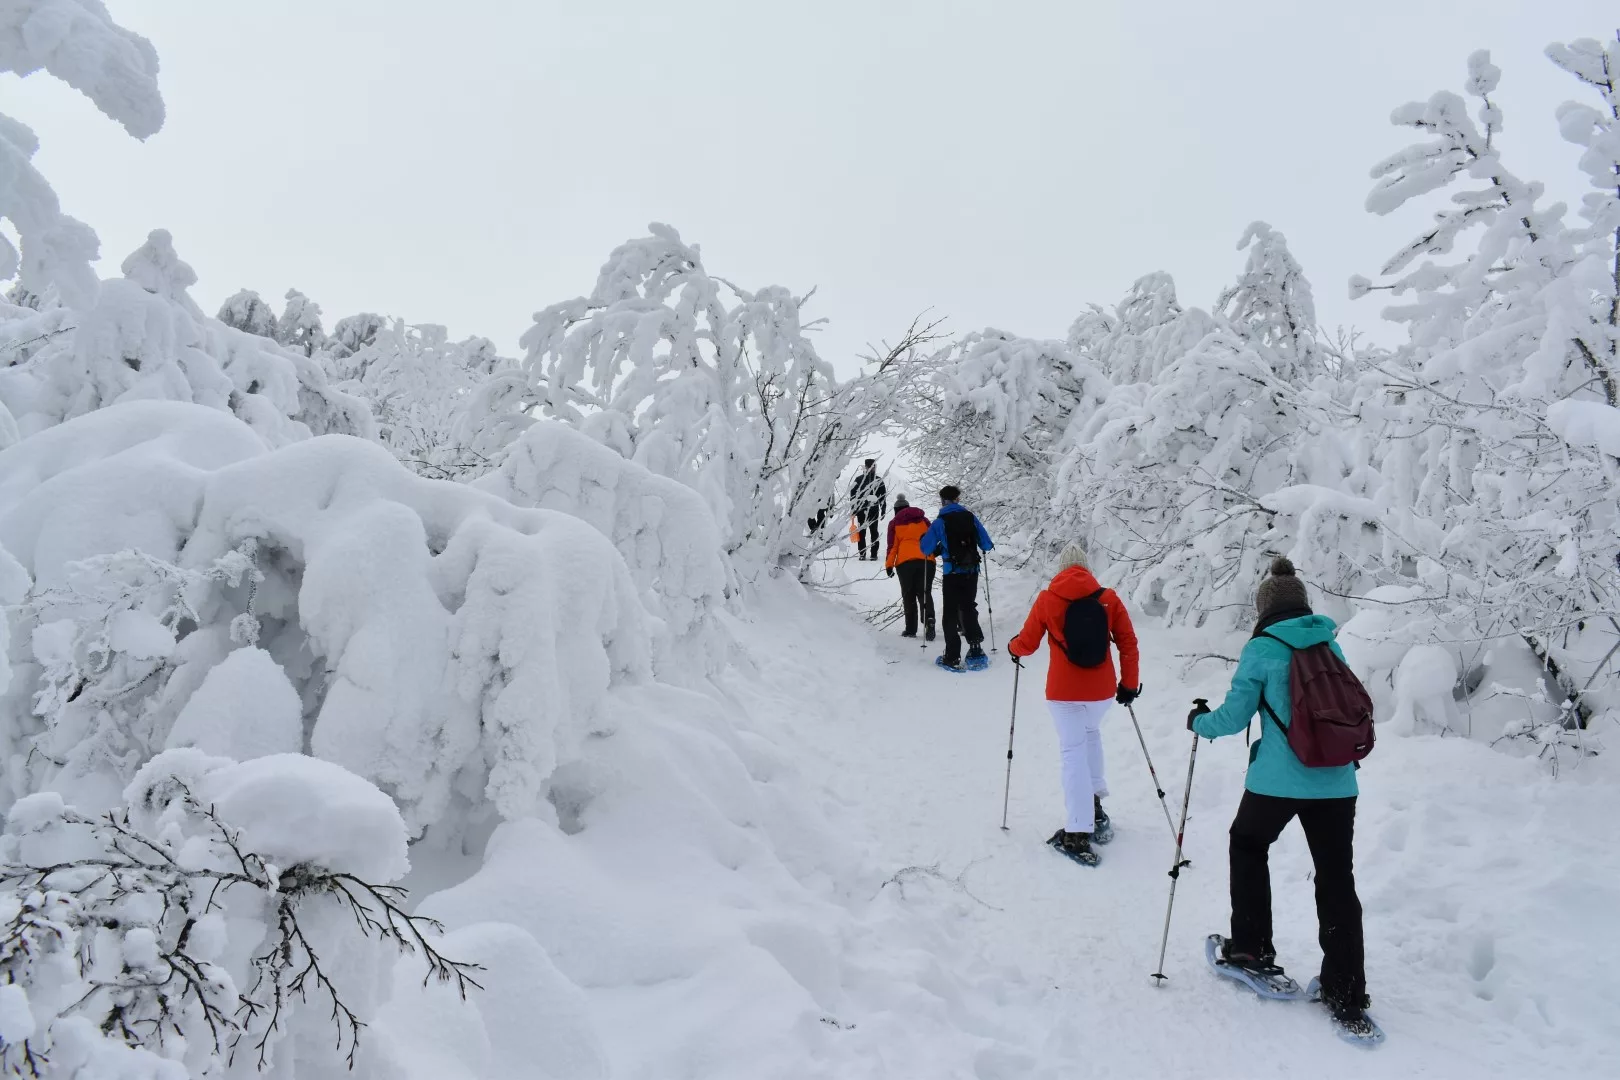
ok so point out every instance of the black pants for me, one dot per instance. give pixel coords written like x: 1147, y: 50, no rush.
x: 1330, y: 826
x: 959, y: 596
x: 916, y: 591
x: 869, y: 517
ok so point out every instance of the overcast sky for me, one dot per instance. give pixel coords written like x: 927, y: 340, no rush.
x: 1002, y: 163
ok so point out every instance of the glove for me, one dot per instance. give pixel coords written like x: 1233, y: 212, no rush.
x: 1125, y: 696
x: 889, y: 570
x: 1018, y: 661
x: 1200, y: 708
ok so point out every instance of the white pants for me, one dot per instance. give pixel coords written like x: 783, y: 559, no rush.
x: 1080, y: 740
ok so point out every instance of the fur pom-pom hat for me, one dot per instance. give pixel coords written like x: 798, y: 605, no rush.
x: 901, y: 502
x: 1281, y: 591
x: 1074, y: 554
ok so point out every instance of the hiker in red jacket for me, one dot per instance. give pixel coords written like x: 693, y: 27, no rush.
x: 1078, y: 694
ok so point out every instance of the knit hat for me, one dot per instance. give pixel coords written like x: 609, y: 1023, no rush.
x: 1074, y: 554
x: 1281, y: 591
x: 901, y: 502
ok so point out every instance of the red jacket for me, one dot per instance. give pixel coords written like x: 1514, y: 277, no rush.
x: 1065, y: 681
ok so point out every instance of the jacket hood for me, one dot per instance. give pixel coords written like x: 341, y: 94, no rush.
x: 909, y: 515
x: 951, y: 508
x: 1305, y: 631
x: 1073, y: 583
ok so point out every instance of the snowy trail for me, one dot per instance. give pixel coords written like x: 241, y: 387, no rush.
x: 1463, y: 980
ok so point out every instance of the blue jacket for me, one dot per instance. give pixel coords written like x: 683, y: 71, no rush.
x: 933, y: 541
x: 1273, y: 768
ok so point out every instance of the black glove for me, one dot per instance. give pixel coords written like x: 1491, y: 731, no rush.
x: 1200, y: 708
x: 1125, y: 696
x: 889, y: 570
x: 1018, y: 661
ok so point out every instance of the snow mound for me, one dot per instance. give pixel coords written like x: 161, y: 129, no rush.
x: 444, y: 644
x: 663, y: 528
x: 245, y: 708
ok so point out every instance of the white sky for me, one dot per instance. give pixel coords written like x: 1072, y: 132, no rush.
x: 470, y: 162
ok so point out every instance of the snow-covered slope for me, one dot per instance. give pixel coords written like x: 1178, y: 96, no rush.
x: 1489, y: 885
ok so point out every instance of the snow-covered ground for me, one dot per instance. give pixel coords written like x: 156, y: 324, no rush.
x: 1489, y: 886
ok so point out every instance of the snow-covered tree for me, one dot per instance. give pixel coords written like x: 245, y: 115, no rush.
x: 76, y: 41
x: 1511, y: 345
x: 728, y: 397
x: 245, y: 310
x: 299, y: 326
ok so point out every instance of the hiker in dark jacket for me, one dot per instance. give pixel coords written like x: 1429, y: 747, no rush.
x: 958, y: 537
x: 1279, y: 788
x: 905, y: 558
x: 867, y: 494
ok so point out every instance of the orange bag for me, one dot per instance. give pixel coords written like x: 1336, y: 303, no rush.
x: 855, y: 531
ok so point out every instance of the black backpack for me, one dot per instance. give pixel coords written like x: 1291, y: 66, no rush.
x: 1085, y: 631
x: 961, y: 540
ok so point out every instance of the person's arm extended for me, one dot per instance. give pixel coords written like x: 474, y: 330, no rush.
x: 934, y: 537
x: 1242, y: 698
x: 984, y: 537
x: 1029, y: 638
x: 1124, y: 635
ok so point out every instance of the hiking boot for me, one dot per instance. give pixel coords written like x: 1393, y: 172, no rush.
x: 1263, y: 964
x: 1103, y: 820
x: 950, y: 664
x: 1351, y: 1012
x: 928, y: 630
x: 975, y: 653
x: 908, y: 633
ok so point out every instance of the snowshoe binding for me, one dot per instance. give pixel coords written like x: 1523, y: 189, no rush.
x: 1351, y: 1021
x: 1259, y: 973
x: 975, y: 660
x: 1074, y: 845
x: 1103, y: 830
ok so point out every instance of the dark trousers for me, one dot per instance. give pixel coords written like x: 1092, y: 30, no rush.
x: 1329, y: 826
x: 916, y: 591
x: 868, y: 518
x: 959, y: 596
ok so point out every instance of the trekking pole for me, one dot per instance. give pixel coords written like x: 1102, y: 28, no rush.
x: 989, y: 605
x: 1152, y: 772
x: 1006, y: 792
x: 1175, y: 868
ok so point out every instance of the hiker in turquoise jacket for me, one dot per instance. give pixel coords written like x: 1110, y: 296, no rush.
x: 1278, y: 789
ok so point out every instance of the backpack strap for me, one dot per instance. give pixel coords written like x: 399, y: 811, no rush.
x: 1264, y: 707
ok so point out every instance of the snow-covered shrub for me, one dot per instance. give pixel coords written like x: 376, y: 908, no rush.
x: 416, y: 382
x: 226, y: 919
x: 661, y: 527
x: 444, y: 644
x: 144, y: 338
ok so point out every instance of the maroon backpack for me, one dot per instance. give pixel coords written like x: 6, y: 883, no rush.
x: 1332, y: 718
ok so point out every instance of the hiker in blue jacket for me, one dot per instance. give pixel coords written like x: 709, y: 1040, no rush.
x: 1279, y: 788
x: 957, y: 537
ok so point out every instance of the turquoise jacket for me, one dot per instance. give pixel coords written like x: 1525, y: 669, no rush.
x: 1273, y: 768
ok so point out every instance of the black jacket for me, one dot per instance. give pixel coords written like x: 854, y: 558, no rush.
x: 868, y: 491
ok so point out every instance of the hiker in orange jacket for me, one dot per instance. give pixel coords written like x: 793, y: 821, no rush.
x: 916, y: 571
x: 1079, y: 694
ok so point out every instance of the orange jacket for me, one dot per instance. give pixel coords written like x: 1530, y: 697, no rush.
x: 905, y: 530
x: 1065, y: 681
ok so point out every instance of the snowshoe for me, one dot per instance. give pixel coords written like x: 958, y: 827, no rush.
x: 975, y: 660
x: 1260, y: 974
x: 948, y: 666
x: 1351, y: 1023
x: 1074, y: 845
x: 1103, y: 830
